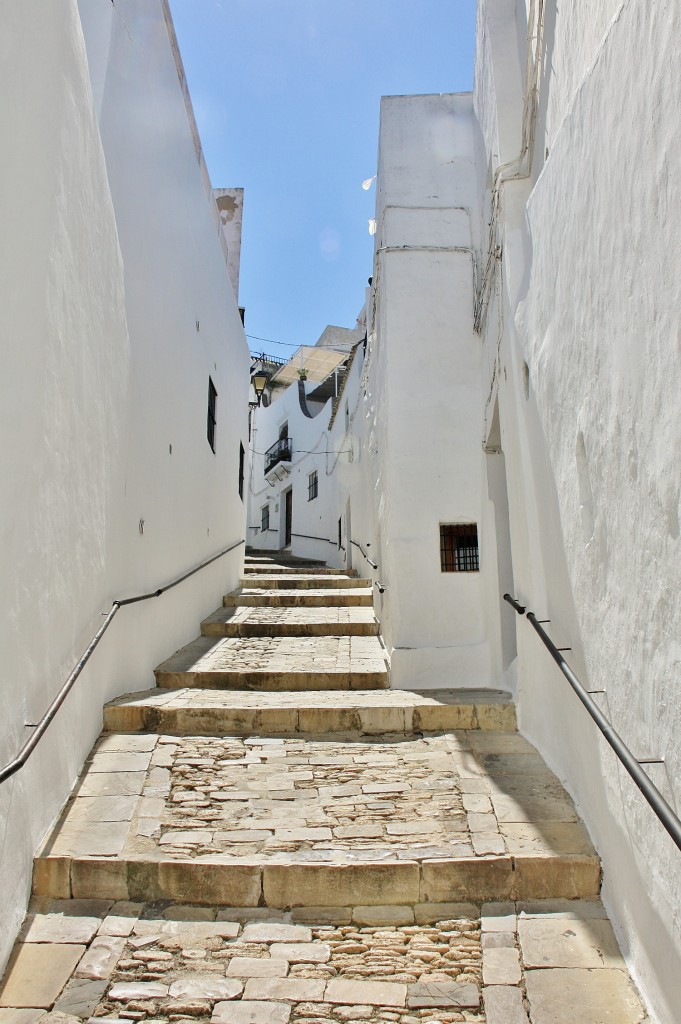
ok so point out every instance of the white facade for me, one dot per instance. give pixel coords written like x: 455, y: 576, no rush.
x: 116, y: 308
x: 582, y: 364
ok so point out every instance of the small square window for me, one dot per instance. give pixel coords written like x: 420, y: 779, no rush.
x: 459, y: 547
x: 265, y: 518
x: 312, y: 485
x: 212, y: 406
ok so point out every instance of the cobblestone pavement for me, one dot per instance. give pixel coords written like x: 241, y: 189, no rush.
x: 469, y: 793
x: 545, y: 963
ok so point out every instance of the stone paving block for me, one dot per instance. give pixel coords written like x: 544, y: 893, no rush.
x: 59, y: 928
x: 112, y: 783
x: 90, y: 839
x: 293, y: 989
x: 129, y: 990
x: 498, y: 917
x: 443, y: 994
x: 80, y: 997
x: 374, y: 993
x: 121, y: 919
x: 589, y: 996
x: 344, y: 884
x: 52, y: 876
x: 379, y: 916
x: 16, y: 1016
x: 466, y: 878
x: 248, y: 1011
x: 501, y: 966
x: 100, y: 959
x: 572, y: 877
x: 273, y: 931
x: 99, y: 876
x: 256, y: 967
x: 322, y: 915
x: 301, y: 952
x: 220, y: 884
x: 504, y: 1005
x: 204, y: 986
x: 428, y: 913
x: 566, y: 942
x: 37, y: 973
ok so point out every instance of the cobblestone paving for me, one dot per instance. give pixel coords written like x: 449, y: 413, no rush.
x: 348, y: 620
x: 543, y: 963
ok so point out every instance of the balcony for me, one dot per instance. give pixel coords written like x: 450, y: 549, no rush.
x: 279, y: 452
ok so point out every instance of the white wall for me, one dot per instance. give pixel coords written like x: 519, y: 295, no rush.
x: 591, y: 431
x: 111, y: 255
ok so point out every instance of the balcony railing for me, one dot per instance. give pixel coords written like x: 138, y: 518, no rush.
x: 279, y: 452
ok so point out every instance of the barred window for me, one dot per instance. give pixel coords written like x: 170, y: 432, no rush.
x: 459, y: 547
x: 312, y: 485
x: 265, y: 518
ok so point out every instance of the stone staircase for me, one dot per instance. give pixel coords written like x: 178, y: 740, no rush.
x: 273, y: 836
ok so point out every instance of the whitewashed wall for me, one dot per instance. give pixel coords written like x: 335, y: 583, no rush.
x: 111, y: 255
x: 588, y: 380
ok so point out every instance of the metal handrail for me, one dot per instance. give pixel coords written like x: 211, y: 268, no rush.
x: 41, y: 728
x: 658, y: 804
x: 372, y: 564
x: 307, y: 536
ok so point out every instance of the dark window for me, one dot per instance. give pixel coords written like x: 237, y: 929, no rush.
x: 283, y: 431
x: 459, y: 548
x: 242, y: 458
x: 265, y: 518
x: 212, y: 402
x: 312, y: 485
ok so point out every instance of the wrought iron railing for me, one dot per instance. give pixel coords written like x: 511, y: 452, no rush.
x: 280, y: 451
x: 41, y: 728
x: 657, y: 802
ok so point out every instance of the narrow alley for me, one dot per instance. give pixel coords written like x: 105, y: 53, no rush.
x: 271, y: 835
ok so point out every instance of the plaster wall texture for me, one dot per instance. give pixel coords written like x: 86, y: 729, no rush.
x: 587, y: 383
x: 111, y: 256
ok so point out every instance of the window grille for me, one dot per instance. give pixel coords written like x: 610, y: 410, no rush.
x: 265, y: 518
x: 459, y: 547
x: 312, y: 485
x: 242, y: 458
x: 212, y: 402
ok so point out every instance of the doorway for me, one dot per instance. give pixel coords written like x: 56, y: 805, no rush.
x: 288, y: 517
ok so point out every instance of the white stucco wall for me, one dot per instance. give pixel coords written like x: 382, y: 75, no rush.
x: 111, y: 255
x: 591, y: 432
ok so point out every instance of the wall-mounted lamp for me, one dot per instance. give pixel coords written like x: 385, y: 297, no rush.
x: 259, y: 382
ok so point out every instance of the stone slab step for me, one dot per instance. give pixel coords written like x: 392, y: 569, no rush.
x: 281, y: 663
x: 273, y: 569
x: 318, y: 821
x: 304, y: 581
x: 216, y: 712
x: 318, y: 598
x: 91, y: 959
x: 266, y: 621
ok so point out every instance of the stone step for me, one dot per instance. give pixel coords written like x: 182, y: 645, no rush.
x: 304, y: 581
x: 318, y: 821
x: 319, y: 598
x: 278, y: 621
x: 100, y: 960
x: 215, y: 712
x: 277, y: 663
x: 274, y: 569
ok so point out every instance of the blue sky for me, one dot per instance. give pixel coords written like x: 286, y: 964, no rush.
x: 286, y: 95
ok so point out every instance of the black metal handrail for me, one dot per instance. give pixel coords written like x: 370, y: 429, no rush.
x: 371, y: 563
x: 280, y: 451
x: 658, y: 804
x: 41, y: 728
x: 307, y: 536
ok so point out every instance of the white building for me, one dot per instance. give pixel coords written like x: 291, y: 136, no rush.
x: 117, y: 317
x: 521, y: 376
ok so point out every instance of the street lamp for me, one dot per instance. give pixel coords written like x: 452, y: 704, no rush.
x: 259, y: 382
